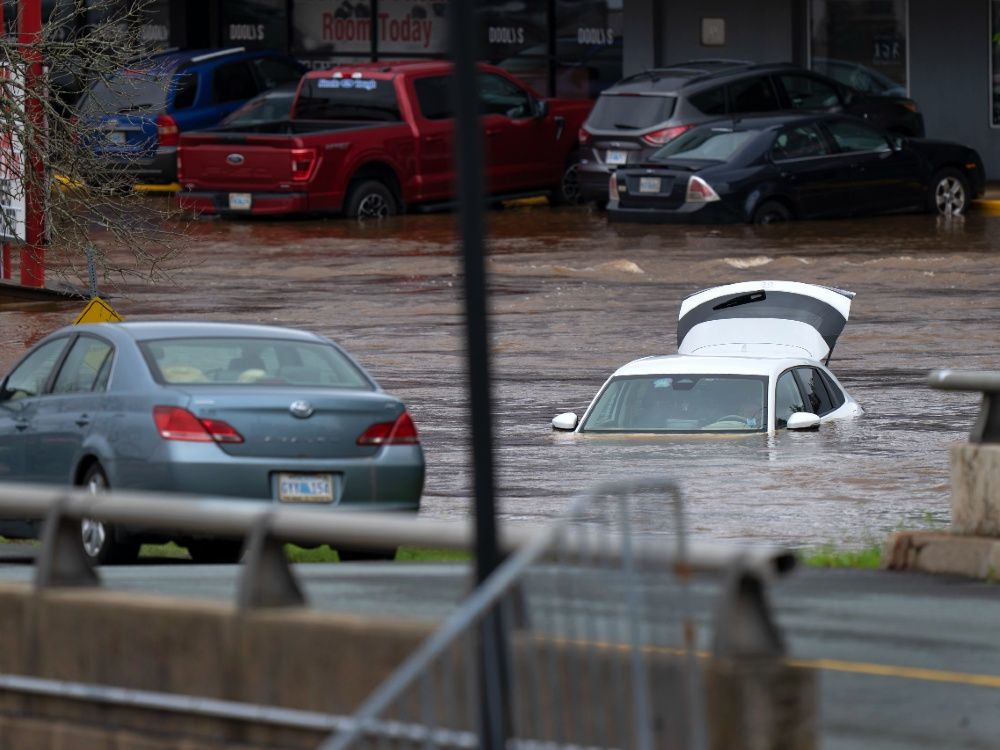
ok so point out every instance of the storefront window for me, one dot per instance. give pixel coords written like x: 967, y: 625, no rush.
x: 255, y: 24
x: 861, y: 43
x: 518, y: 41
x: 155, y: 28
x: 995, y: 58
x: 588, y: 46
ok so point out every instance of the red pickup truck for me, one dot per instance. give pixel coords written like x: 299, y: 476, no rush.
x: 372, y: 139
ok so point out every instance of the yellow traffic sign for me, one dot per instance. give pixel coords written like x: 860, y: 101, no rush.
x: 98, y: 311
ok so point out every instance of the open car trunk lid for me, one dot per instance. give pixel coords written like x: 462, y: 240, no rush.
x: 766, y: 318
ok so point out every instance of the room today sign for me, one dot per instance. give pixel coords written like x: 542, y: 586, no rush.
x: 346, y: 26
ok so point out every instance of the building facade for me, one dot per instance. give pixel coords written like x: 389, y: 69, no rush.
x: 945, y: 55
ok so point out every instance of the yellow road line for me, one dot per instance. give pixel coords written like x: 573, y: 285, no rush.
x: 906, y: 673
x: 828, y: 665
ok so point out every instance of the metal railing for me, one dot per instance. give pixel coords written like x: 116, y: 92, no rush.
x: 579, y: 615
x: 986, y: 428
x: 574, y: 642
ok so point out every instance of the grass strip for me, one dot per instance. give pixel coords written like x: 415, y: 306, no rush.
x: 866, y: 558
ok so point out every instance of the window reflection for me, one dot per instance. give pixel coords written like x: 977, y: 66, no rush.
x: 861, y: 43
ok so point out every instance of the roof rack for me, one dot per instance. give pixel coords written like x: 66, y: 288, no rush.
x: 218, y: 53
x: 708, y: 61
x: 729, y: 70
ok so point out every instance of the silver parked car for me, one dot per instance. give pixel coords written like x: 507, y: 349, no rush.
x: 215, y: 409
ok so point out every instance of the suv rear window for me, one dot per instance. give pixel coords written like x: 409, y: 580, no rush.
x: 347, y: 99
x: 630, y: 112
x: 127, y: 92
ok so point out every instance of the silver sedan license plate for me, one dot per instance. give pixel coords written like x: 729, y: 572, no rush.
x: 305, y: 488
x: 649, y: 184
x: 615, y: 157
x: 240, y: 201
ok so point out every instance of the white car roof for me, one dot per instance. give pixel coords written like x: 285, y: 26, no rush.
x: 703, y: 364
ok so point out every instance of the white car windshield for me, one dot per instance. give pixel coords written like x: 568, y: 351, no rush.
x: 680, y: 404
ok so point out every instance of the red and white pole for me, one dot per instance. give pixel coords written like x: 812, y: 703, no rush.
x: 5, y: 269
x: 29, y: 25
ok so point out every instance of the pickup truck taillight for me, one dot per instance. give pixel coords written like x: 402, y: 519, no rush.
x: 167, y: 131
x: 583, y: 135
x: 303, y: 163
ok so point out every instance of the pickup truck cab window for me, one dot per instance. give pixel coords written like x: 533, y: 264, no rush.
x: 434, y: 97
x: 502, y: 97
x: 347, y: 99
x: 233, y: 82
x: 274, y: 71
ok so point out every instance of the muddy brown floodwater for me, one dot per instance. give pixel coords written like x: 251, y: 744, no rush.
x: 574, y: 298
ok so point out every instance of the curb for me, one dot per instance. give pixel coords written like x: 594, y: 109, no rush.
x: 943, y: 553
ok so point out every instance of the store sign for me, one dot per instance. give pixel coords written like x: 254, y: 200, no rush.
x: 12, y: 198
x: 155, y: 27
x: 345, y: 26
x: 255, y: 24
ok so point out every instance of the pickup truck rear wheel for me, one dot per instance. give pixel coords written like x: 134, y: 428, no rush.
x: 371, y: 199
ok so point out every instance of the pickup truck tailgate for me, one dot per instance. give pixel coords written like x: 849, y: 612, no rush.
x: 249, y: 163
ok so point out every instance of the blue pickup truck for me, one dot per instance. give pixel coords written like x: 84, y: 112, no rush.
x: 141, y: 112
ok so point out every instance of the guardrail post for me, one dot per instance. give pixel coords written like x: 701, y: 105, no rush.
x: 975, y: 465
x: 267, y: 579
x: 63, y: 561
x: 754, y: 699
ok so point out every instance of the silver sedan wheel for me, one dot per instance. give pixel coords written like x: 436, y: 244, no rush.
x: 950, y: 197
x: 373, y: 206
x: 94, y: 533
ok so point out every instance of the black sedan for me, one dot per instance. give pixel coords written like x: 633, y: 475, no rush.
x: 768, y: 169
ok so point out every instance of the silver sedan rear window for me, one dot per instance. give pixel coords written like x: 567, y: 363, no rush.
x: 251, y: 361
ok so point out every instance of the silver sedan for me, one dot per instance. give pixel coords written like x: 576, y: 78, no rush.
x: 220, y: 410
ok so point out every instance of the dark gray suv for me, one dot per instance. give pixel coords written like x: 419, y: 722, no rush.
x: 641, y: 113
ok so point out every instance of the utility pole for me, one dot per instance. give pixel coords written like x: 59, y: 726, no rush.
x: 494, y: 683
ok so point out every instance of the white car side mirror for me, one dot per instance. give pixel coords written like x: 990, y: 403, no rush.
x: 803, y: 421
x: 565, y: 421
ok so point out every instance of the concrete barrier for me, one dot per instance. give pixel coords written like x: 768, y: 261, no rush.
x: 289, y: 658
x: 306, y: 660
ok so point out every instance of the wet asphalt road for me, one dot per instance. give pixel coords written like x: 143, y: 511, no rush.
x: 898, y: 656
x: 574, y: 298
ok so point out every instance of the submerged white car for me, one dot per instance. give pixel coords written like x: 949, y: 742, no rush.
x: 750, y: 359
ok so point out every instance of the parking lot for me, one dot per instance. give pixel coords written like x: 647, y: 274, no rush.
x: 574, y: 298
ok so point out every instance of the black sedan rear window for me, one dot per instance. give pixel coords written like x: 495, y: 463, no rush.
x: 348, y: 99
x: 251, y: 361
x: 705, y: 144
x: 630, y: 111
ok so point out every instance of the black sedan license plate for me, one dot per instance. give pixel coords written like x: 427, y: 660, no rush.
x: 649, y: 184
x: 305, y: 488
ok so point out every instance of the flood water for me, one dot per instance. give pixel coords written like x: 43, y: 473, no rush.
x: 574, y: 298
